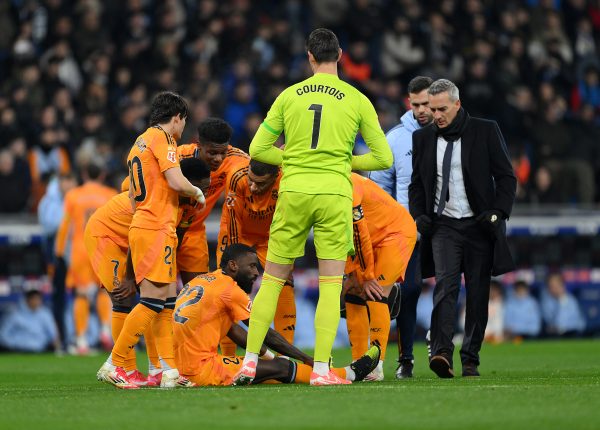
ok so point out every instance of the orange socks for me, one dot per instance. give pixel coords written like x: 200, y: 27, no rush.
x: 117, y: 321
x: 103, y: 307
x: 163, y: 333
x: 303, y: 372
x: 136, y: 323
x: 357, y: 320
x: 228, y: 347
x: 285, y: 315
x: 81, y: 314
x: 379, y: 315
x: 151, y: 351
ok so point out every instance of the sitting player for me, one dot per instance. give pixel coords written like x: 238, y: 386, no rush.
x: 208, y: 308
x: 247, y: 214
x: 384, y: 237
x: 106, y: 241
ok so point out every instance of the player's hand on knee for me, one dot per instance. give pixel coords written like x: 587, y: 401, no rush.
x: 373, y: 290
x: 125, y: 289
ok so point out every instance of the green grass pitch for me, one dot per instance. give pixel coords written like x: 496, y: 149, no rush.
x: 535, y: 385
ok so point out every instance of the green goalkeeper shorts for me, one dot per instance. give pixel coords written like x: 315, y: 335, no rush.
x: 330, y: 216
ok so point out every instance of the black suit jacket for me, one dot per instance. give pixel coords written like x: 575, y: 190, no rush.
x: 488, y: 175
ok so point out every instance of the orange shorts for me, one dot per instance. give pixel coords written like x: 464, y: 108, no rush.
x: 108, y: 260
x: 153, y: 255
x: 192, y: 254
x: 391, y: 260
x: 217, y: 370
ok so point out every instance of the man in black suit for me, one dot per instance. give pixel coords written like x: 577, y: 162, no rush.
x: 461, y: 192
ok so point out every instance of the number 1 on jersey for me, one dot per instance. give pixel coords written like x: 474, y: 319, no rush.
x: 316, y: 124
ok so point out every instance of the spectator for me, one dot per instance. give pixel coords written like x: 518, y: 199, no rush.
x: 522, y: 316
x: 554, y: 148
x: 401, y: 49
x: 30, y: 327
x: 15, y: 183
x: 494, y: 332
x: 560, y: 309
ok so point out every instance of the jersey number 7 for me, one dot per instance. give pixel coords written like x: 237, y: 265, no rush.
x: 316, y: 124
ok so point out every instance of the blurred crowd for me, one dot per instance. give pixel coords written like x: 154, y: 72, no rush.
x: 78, y: 76
x: 517, y: 311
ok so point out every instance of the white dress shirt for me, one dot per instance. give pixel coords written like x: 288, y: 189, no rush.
x: 458, y: 204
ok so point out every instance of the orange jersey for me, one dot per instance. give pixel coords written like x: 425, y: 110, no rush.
x: 114, y: 218
x: 378, y: 219
x: 80, y: 204
x: 247, y: 217
x: 154, y: 152
x: 204, y: 312
x: 235, y: 159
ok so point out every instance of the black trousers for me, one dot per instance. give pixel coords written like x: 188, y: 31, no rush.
x: 460, y: 245
x: 410, y: 290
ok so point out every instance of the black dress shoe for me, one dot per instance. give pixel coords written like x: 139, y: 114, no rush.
x: 470, y: 369
x: 405, y: 369
x: 441, y: 366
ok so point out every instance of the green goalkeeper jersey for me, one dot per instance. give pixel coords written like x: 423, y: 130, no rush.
x: 320, y: 118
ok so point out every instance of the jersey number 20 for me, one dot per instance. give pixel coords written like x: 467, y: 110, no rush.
x: 135, y: 169
x: 316, y: 124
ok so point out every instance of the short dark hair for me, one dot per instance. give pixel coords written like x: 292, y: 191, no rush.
x: 165, y: 106
x: 323, y: 44
x: 32, y: 293
x: 521, y: 284
x: 194, y: 169
x: 215, y: 131
x: 418, y: 84
x: 261, y: 169
x: 92, y: 170
x: 233, y: 252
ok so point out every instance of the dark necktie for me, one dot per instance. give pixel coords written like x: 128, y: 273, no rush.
x: 446, y: 164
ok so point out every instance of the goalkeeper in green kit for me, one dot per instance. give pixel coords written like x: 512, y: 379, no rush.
x: 320, y: 118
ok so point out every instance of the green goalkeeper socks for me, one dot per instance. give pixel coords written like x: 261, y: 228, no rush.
x: 327, y: 316
x: 263, y: 311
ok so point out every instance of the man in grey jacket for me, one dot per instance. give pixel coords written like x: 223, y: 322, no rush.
x: 395, y: 181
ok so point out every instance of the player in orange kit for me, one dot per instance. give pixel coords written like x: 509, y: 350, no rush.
x: 208, y: 308
x: 156, y: 182
x: 106, y: 239
x: 213, y: 148
x: 80, y: 203
x: 247, y: 214
x: 384, y: 237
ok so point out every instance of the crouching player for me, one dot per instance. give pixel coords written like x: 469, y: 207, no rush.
x: 384, y: 238
x: 208, y: 308
x: 106, y: 241
x: 247, y: 215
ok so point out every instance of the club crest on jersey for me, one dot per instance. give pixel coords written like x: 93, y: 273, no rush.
x: 357, y: 213
x: 141, y: 144
x: 172, y: 156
